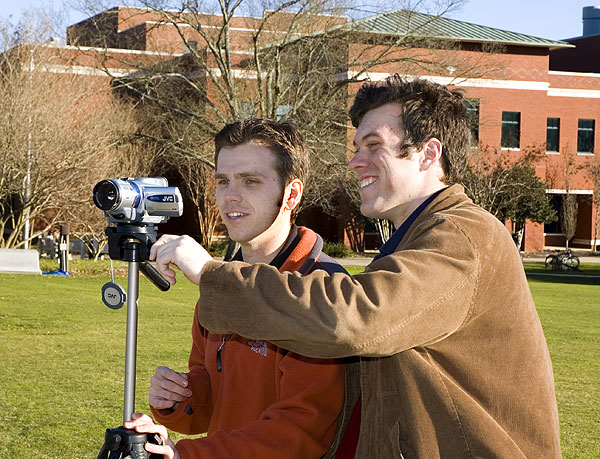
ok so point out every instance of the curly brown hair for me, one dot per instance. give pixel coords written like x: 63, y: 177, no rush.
x: 428, y: 110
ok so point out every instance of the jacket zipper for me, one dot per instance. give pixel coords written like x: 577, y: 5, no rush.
x: 219, y: 359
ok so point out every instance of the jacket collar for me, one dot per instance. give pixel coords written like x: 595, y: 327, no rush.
x: 299, y: 252
x: 392, y: 243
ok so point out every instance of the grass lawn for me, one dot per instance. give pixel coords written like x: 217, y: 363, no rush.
x: 569, y: 309
x: 62, y: 357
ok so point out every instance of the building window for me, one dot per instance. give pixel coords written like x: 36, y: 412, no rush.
x: 585, y: 136
x: 553, y: 134
x: 511, y: 130
x: 473, y: 115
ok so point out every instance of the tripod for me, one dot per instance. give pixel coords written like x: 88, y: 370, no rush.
x: 131, y: 244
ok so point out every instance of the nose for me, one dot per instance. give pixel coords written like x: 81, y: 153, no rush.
x: 232, y: 193
x: 358, y: 161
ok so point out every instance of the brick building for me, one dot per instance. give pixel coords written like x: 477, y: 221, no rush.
x: 522, y: 90
x: 535, y: 92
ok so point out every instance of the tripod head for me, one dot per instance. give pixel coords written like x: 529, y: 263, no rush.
x: 132, y: 243
x: 120, y: 234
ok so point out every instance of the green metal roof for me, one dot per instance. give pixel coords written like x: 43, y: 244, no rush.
x: 404, y: 22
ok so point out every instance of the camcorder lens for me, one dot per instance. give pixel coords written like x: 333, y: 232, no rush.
x: 106, y: 195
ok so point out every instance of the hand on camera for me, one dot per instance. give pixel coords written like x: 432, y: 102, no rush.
x: 182, y: 252
x: 144, y: 424
x: 167, y: 388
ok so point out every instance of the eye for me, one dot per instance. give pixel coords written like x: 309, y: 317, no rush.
x: 222, y: 182
x: 251, y: 181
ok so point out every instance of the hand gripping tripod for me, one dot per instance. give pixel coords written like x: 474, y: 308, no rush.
x: 131, y: 243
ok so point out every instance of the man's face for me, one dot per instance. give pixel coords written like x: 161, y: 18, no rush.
x: 389, y: 184
x: 248, y: 191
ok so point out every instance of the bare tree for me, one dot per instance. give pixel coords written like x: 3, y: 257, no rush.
x: 57, y: 134
x: 298, y: 60
x: 568, y: 216
x: 561, y: 174
x: 385, y: 228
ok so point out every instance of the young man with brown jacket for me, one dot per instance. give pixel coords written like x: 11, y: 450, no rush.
x: 453, y: 359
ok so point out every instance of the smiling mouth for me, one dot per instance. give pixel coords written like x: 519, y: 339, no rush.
x: 234, y: 215
x: 367, y: 181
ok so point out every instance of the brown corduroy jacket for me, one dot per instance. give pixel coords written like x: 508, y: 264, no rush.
x: 454, y: 363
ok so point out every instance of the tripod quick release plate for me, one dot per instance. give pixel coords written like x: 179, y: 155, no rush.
x: 113, y: 295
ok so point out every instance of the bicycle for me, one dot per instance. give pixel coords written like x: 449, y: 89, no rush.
x: 562, y: 261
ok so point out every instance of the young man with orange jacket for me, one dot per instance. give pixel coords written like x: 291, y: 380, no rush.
x: 252, y: 398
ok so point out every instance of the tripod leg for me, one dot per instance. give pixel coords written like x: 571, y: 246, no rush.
x: 112, y: 444
x: 131, y: 340
x: 121, y: 443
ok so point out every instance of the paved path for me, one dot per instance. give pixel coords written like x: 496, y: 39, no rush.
x: 565, y: 274
x: 364, y: 261
x: 354, y: 261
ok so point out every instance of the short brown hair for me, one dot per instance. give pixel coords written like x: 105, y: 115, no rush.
x: 428, y: 110
x: 282, y: 138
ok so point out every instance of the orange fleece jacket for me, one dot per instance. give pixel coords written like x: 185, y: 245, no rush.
x: 264, y: 402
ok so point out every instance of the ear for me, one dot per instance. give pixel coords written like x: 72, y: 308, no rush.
x: 293, y: 194
x: 431, y: 154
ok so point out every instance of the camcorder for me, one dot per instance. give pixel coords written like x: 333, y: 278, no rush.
x: 132, y: 207
x: 138, y: 201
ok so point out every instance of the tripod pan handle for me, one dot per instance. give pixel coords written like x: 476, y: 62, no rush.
x: 152, y: 273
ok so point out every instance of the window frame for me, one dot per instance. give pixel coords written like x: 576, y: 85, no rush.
x: 582, y: 129
x: 549, y: 131
x: 473, y: 114
x: 510, y: 140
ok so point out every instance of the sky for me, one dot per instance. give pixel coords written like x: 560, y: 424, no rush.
x: 553, y: 19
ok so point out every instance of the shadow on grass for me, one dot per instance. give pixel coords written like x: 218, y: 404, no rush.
x: 574, y: 277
